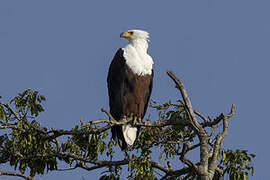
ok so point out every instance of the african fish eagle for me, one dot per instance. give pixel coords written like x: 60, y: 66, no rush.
x: 130, y: 81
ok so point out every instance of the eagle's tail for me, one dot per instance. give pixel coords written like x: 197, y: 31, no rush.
x: 130, y: 133
x: 124, y: 135
x: 117, y: 135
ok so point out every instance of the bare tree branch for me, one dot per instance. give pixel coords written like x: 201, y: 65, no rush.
x: 201, y: 116
x: 203, y: 136
x: 8, y: 126
x: 215, y: 121
x: 185, y: 160
x: 158, y: 123
x: 16, y: 174
x: 181, y: 88
x: 177, y: 173
x: 219, y: 137
x: 59, y: 132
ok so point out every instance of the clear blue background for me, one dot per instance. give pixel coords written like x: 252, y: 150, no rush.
x: 220, y: 49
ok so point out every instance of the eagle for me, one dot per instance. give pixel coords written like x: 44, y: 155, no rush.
x: 130, y: 82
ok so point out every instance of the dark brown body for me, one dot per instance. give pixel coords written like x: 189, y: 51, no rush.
x: 136, y: 95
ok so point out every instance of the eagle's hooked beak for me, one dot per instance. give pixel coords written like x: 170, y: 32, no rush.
x: 126, y: 34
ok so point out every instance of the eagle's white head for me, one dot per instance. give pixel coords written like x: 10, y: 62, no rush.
x: 132, y: 35
x: 135, y: 52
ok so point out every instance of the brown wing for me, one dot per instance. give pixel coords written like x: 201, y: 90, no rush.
x: 115, y: 82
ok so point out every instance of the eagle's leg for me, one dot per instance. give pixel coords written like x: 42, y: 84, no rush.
x: 124, y: 118
x: 126, y: 154
x: 134, y: 120
x: 140, y: 120
x: 130, y: 118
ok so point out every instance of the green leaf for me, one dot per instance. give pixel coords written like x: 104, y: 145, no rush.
x: 223, y: 155
x: 253, y: 155
x: 3, y: 114
x: 22, y: 167
x: 252, y: 171
x: 160, y: 156
x: 245, y: 176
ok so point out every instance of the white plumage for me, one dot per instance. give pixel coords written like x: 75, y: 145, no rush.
x: 130, y: 134
x: 136, y: 55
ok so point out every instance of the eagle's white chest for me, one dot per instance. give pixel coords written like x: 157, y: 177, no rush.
x: 138, y: 60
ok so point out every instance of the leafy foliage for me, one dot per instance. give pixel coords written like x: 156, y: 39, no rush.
x: 3, y: 114
x: 25, y: 146
x: 28, y: 146
x: 27, y: 101
x: 237, y: 163
x: 140, y: 168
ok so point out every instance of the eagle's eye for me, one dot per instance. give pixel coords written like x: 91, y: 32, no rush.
x: 131, y: 32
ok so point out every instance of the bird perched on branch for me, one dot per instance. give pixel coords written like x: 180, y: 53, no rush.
x: 130, y: 81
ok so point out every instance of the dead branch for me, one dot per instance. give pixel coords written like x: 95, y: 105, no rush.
x: 202, y: 134
x: 193, y: 121
x: 185, y: 160
x: 2, y: 173
x: 218, y: 119
x: 219, y: 137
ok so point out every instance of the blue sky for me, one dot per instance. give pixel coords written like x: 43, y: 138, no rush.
x: 219, y: 49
